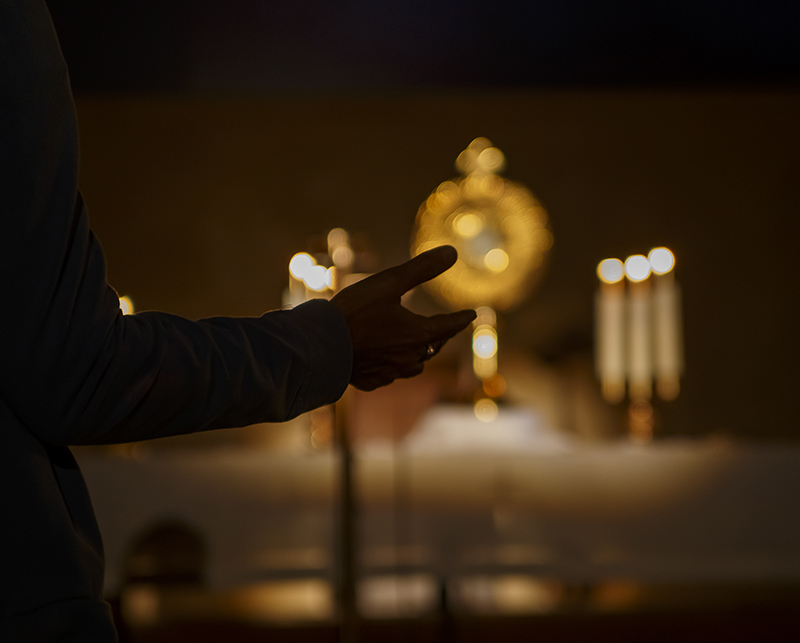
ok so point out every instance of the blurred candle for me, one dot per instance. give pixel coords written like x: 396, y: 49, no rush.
x: 299, y: 267
x: 640, y: 363
x: 126, y: 305
x: 668, y: 349
x: 610, y: 329
x: 342, y: 255
x: 484, y: 343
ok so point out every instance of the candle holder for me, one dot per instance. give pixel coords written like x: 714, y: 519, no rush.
x: 638, y: 335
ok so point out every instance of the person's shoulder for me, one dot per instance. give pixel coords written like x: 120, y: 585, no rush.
x: 30, y: 55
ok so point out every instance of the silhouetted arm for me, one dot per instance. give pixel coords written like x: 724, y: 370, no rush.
x: 72, y: 368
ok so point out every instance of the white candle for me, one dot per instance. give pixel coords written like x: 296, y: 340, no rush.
x: 668, y: 348
x: 610, y: 330
x: 640, y: 362
x: 668, y: 336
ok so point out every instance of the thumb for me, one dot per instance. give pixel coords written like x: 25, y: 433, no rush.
x: 440, y: 328
x: 400, y: 279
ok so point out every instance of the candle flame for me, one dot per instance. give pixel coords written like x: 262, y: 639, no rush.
x: 637, y: 268
x: 126, y: 305
x: 661, y: 260
x: 610, y: 271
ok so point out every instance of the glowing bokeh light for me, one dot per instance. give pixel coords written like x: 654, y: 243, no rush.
x: 494, y: 386
x: 485, y: 316
x: 337, y: 237
x: 484, y: 344
x: 300, y: 264
x: 637, y: 268
x: 478, y: 213
x: 467, y: 161
x: 316, y: 278
x: 343, y: 256
x: 491, y: 160
x: 126, y: 305
x: 468, y: 225
x: 496, y: 260
x: 610, y: 271
x: 486, y: 410
x: 661, y: 260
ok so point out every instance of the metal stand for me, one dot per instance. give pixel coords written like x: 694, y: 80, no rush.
x: 348, y: 613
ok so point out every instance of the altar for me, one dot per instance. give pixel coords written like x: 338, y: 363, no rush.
x: 676, y: 511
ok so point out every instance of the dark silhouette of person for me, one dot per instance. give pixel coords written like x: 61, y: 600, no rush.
x: 73, y: 370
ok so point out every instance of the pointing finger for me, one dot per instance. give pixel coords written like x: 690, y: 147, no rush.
x: 400, y: 279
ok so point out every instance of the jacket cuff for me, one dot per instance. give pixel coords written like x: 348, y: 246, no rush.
x: 330, y: 354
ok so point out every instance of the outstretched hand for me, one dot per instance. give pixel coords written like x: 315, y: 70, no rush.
x: 389, y: 341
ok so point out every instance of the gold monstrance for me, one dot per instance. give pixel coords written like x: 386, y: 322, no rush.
x: 500, y: 232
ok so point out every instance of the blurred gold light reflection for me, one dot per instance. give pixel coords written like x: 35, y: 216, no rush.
x: 486, y: 410
x: 497, y: 226
x: 495, y: 385
x: 496, y: 260
x: 484, y: 343
x: 145, y: 605
x: 480, y: 156
x: 343, y: 256
x: 468, y: 225
x: 485, y: 316
x: 338, y: 237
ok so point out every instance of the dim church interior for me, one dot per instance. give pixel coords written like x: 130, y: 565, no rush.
x: 203, y: 181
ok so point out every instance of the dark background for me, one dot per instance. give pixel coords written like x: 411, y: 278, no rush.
x: 316, y: 45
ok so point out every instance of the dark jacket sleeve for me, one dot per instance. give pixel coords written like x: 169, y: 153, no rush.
x: 72, y: 367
